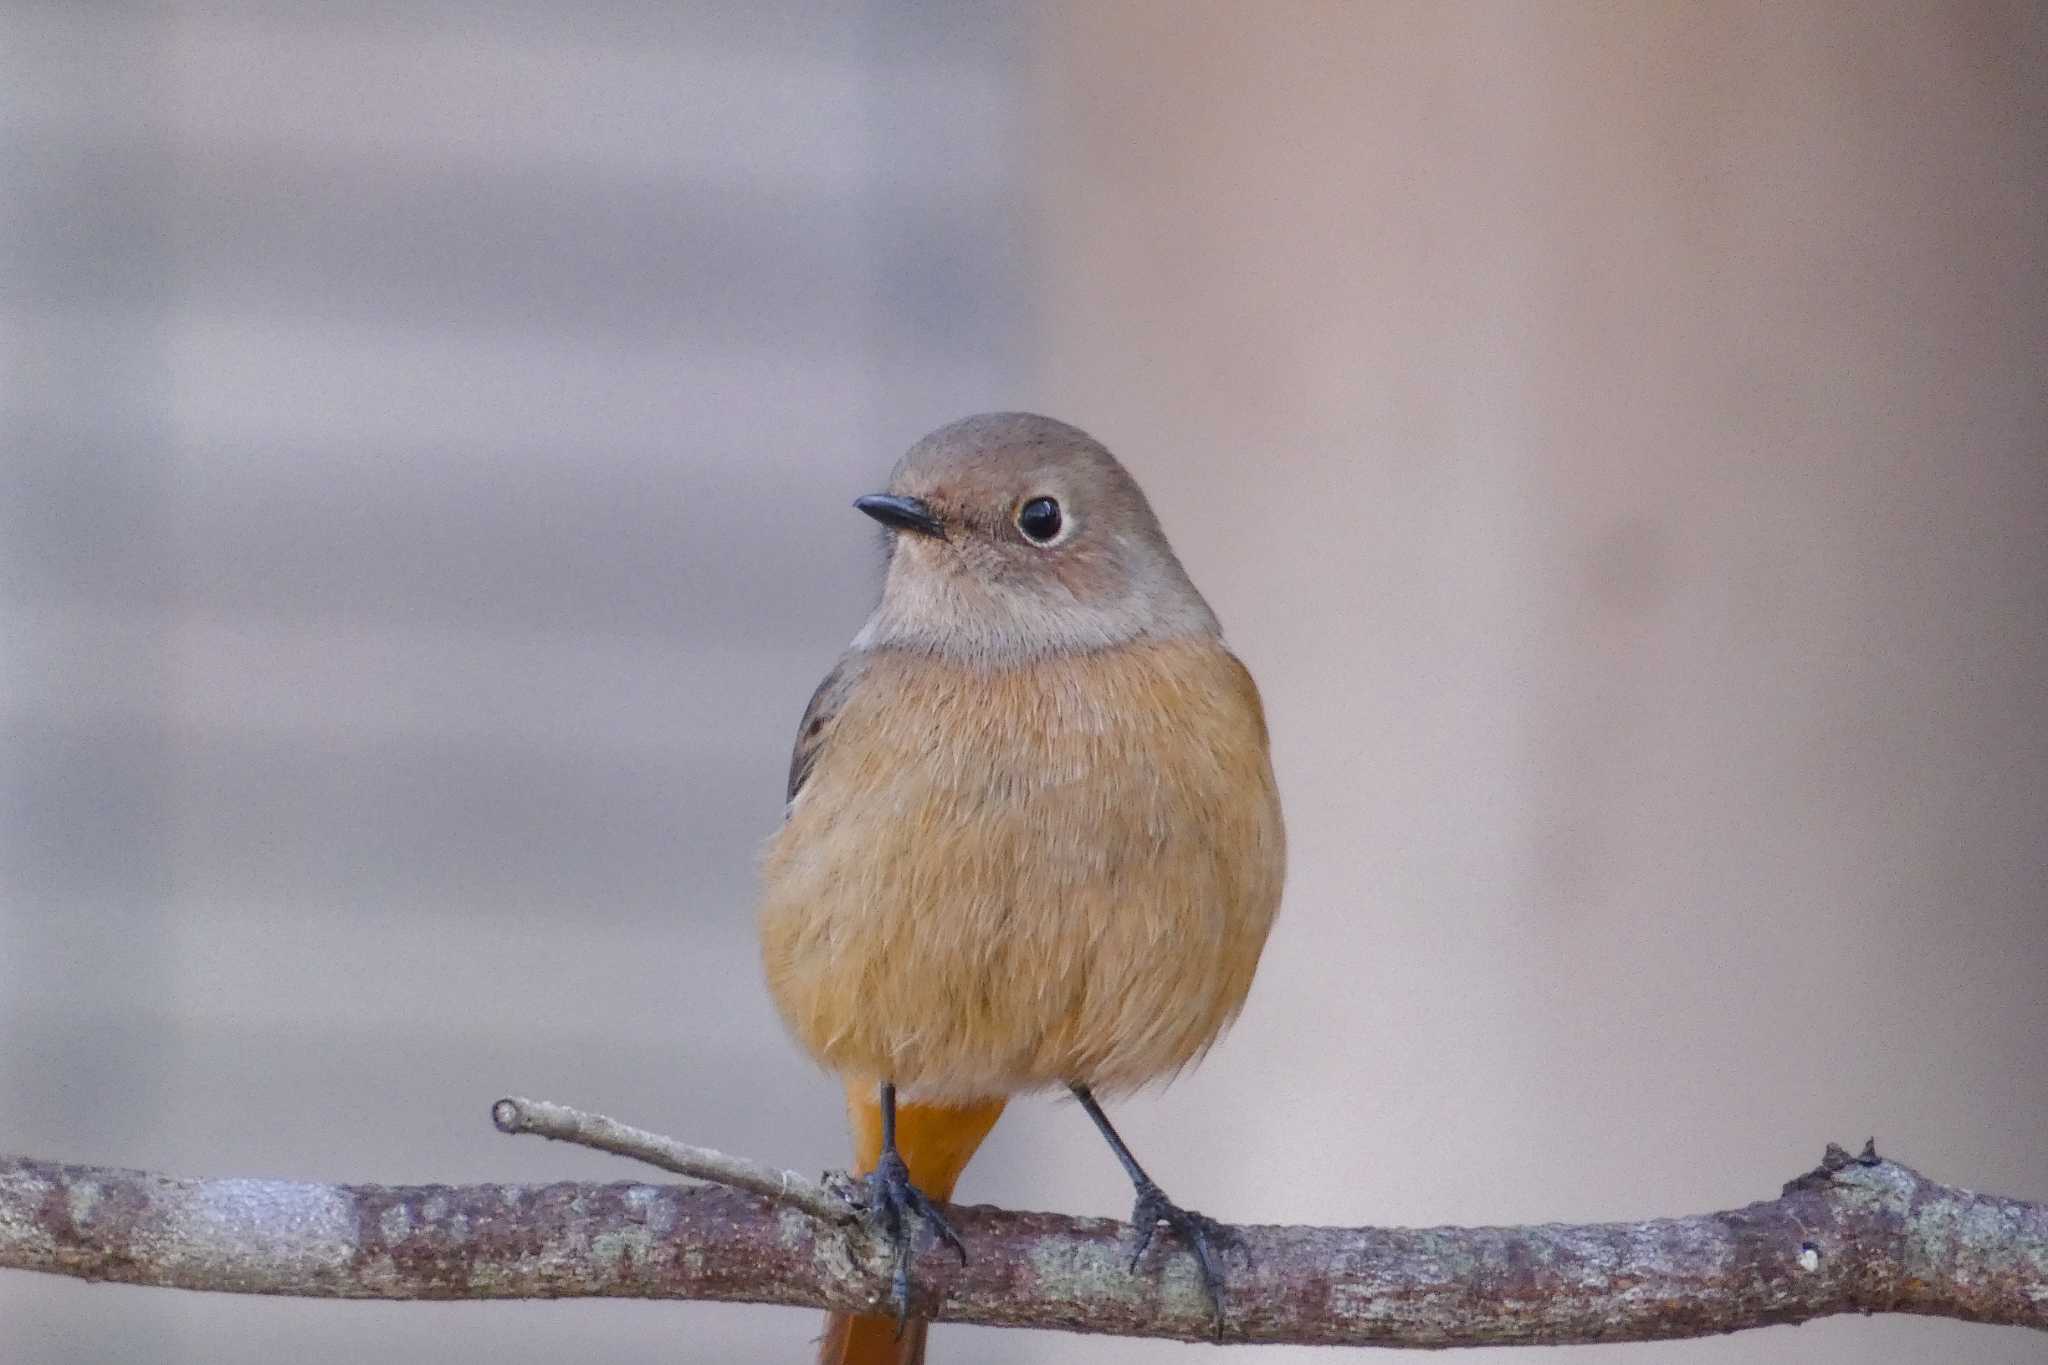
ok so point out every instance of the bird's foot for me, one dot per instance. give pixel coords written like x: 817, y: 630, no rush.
x: 1206, y: 1238
x: 894, y: 1205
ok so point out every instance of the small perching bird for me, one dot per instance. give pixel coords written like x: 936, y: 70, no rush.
x: 1033, y: 839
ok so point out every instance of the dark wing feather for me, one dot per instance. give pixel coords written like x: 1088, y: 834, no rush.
x: 816, y: 726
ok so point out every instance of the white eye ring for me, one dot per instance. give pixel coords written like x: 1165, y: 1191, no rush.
x: 1041, y: 521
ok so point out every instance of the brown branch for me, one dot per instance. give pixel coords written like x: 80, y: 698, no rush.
x: 563, y: 1124
x: 1857, y: 1234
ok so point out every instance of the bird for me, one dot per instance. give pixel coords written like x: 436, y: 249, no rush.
x: 1032, y: 840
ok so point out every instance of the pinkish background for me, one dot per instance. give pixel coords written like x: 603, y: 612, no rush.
x: 1614, y: 434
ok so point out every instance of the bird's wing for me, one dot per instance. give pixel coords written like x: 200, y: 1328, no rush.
x: 816, y: 727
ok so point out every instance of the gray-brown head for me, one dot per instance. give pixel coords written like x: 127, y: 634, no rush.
x: 1017, y: 537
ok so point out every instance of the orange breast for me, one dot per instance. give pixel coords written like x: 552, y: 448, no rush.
x: 996, y: 881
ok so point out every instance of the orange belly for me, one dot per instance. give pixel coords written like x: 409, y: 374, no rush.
x: 1003, y: 880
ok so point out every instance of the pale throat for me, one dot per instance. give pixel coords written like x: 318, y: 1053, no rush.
x: 954, y: 613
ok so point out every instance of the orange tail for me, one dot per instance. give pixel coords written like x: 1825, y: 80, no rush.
x: 935, y: 1141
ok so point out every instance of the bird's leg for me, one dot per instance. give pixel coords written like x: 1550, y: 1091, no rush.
x: 1204, y: 1236
x: 893, y: 1202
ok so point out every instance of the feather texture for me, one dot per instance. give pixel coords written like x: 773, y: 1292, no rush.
x: 1000, y: 879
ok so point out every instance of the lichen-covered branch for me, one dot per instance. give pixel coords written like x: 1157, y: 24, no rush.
x: 1858, y: 1234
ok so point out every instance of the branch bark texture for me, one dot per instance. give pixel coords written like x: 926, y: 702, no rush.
x: 1856, y: 1235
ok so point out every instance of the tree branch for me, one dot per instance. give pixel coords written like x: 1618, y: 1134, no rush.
x: 563, y: 1124
x: 1856, y: 1235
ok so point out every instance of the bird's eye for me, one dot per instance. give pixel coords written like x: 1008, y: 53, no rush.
x: 1039, y: 519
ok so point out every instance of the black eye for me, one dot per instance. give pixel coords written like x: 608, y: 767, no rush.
x: 1039, y: 519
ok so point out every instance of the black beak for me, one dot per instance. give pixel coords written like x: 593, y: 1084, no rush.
x: 902, y: 514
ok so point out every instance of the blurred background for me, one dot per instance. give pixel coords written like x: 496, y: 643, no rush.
x: 1614, y: 434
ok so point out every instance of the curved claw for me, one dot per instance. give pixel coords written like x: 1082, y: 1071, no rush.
x: 1203, y: 1236
x: 892, y: 1203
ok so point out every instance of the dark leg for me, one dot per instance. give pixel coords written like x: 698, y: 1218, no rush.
x: 1205, y: 1237
x: 893, y: 1201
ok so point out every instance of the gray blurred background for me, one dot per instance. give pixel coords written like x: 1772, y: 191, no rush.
x: 1615, y: 436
